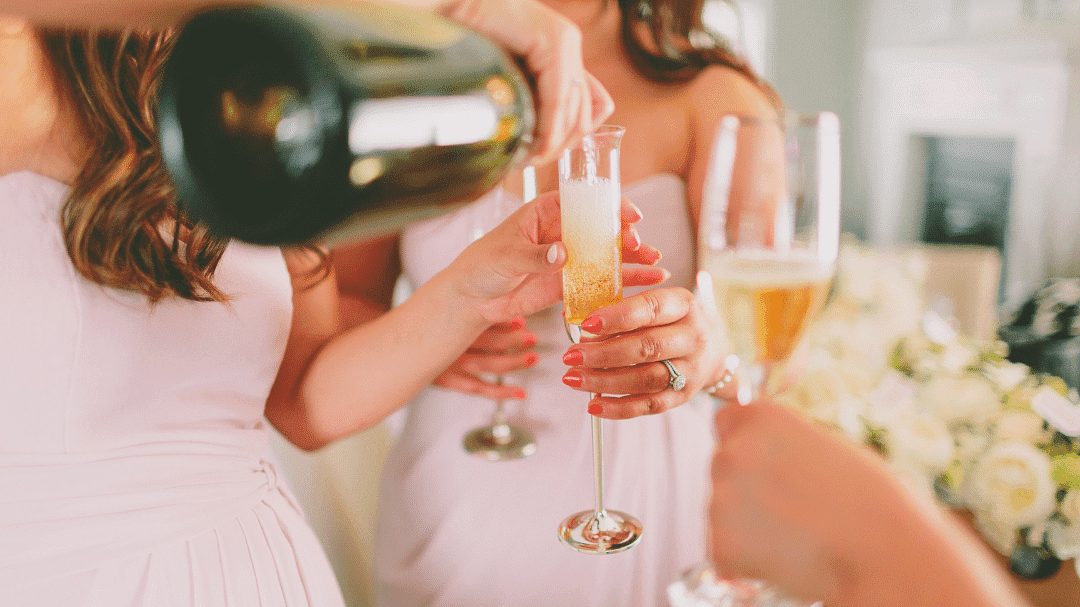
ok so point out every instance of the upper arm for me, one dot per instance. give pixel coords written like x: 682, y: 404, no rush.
x: 369, y: 269
x: 717, y: 92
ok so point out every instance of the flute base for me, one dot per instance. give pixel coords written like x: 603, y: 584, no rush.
x: 499, y: 443
x: 603, y: 532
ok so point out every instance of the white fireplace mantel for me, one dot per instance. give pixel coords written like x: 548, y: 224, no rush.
x: 1025, y: 91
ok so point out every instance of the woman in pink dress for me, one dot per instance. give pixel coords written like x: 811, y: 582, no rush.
x: 140, y: 354
x: 454, y: 529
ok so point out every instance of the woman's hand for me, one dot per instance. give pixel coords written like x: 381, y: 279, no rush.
x: 823, y: 518
x: 633, y: 336
x: 514, y: 269
x: 503, y: 348
x: 570, y: 102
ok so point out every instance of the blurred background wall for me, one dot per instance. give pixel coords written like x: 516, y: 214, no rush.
x: 961, y: 119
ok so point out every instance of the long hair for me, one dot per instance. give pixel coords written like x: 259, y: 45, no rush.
x: 121, y: 225
x: 668, y: 42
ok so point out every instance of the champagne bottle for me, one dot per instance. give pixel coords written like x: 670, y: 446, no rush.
x: 284, y: 125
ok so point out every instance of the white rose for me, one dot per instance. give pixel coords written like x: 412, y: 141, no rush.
x: 965, y: 398
x: 1007, y: 376
x: 1070, y: 506
x: 920, y: 440
x: 850, y: 418
x: 816, y: 390
x: 1063, y: 539
x: 894, y: 396
x: 1011, y: 484
x: 1001, y: 537
x: 914, y: 479
x: 958, y: 356
x: 970, y: 443
x: 1020, y: 425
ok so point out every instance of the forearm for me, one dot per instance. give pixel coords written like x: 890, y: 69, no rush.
x: 928, y: 560
x: 367, y: 372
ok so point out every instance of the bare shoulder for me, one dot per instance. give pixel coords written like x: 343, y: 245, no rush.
x: 720, y: 90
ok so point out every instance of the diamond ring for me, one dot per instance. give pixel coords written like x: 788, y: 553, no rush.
x: 676, y: 380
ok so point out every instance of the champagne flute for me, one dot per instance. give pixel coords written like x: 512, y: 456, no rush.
x: 589, y: 192
x: 499, y: 440
x: 768, y: 241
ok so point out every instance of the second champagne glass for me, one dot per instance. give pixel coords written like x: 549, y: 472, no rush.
x: 590, y: 198
x: 768, y: 241
x: 500, y: 440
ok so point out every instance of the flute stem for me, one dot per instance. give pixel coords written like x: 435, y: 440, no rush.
x: 598, y: 462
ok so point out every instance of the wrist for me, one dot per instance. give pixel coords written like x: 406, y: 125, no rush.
x: 723, y: 385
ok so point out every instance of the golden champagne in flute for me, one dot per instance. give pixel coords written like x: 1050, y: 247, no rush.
x: 768, y: 240
x: 767, y: 301
x: 591, y: 277
x: 590, y: 197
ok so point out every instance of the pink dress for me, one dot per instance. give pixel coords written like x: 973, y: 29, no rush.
x: 458, y: 531
x: 132, y: 441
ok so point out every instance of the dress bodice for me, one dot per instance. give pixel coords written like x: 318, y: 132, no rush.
x: 99, y: 368
x: 132, y: 448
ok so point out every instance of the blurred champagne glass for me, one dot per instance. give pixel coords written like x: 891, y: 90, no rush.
x: 768, y: 242
x: 500, y: 440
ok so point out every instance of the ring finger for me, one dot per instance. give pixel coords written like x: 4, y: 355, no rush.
x: 647, y: 378
x: 636, y: 348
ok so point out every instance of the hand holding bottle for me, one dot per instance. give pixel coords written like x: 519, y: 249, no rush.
x: 570, y: 102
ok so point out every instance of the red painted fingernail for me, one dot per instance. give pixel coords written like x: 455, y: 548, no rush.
x: 573, y: 379
x: 593, y: 325
x: 531, y: 360
x: 573, y: 358
x: 595, y: 408
x: 530, y: 341
x: 519, y: 394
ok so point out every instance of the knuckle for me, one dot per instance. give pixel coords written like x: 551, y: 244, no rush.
x: 655, y: 404
x: 654, y: 306
x: 649, y: 348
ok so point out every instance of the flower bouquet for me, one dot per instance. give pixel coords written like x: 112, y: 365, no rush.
x: 954, y: 417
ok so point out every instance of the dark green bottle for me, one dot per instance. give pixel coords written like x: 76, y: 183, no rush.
x: 285, y: 125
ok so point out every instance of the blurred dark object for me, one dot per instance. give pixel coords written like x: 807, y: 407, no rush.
x: 1044, y: 333
x: 338, y: 122
x: 1034, y: 562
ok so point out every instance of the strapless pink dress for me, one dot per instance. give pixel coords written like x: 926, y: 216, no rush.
x: 458, y: 531
x: 132, y: 442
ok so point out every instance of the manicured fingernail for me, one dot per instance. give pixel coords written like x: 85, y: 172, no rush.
x: 637, y: 211
x: 553, y: 253
x: 573, y: 379
x: 573, y: 358
x: 530, y: 341
x: 593, y: 325
x: 519, y: 394
x: 595, y: 408
x: 531, y: 360
x: 633, y: 240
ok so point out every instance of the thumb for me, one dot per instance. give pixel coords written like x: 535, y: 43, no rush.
x: 536, y: 259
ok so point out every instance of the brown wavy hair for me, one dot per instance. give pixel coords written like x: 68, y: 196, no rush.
x: 668, y: 42
x: 121, y: 225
